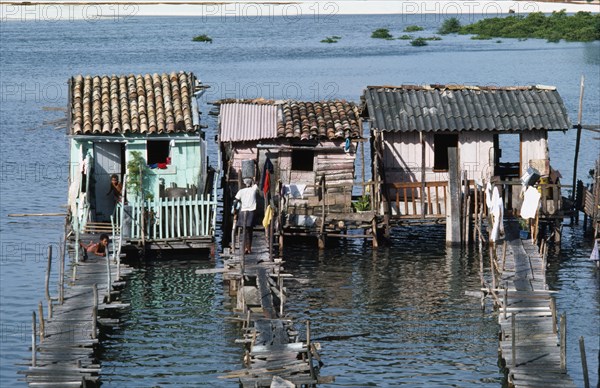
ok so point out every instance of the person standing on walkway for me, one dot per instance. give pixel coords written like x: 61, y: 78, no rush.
x: 247, y: 197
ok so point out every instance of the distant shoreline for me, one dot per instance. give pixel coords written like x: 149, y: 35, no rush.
x: 323, y: 9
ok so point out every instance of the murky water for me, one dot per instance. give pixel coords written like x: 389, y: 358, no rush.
x: 410, y: 298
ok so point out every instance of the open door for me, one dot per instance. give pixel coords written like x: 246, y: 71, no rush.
x: 108, y: 160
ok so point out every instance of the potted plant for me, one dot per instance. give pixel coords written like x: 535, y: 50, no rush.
x: 363, y: 203
x: 523, y: 229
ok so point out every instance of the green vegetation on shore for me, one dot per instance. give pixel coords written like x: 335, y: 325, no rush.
x: 581, y: 27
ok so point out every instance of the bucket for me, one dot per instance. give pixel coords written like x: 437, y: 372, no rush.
x: 524, y: 234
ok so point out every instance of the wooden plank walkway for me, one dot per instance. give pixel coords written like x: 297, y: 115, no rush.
x: 274, y: 355
x: 66, y: 354
x: 529, y: 343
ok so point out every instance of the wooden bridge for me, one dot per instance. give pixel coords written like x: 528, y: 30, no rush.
x: 274, y: 354
x: 65, y: 342
x: 531, y: 346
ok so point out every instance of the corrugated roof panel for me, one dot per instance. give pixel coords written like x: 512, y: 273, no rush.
x: 438, y: 108
x: 247, y: 122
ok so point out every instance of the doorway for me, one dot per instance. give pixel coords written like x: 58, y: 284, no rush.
x: 108, y: 160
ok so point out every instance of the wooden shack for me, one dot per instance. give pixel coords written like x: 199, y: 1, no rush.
x: 312, y: 147
x: 499, y: 133
x: 145, y: 129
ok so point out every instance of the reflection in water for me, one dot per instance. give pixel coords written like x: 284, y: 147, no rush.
x: 411, y: 299
x: 171, y: 335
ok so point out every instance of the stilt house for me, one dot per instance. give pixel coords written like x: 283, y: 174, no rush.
x: 312, y: 148
x: 413, y: 127
x: 145, y: 129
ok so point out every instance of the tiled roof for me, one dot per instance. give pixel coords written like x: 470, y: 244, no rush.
x: 105, y: 105
x: 463, y: 108
x: 335, y: 119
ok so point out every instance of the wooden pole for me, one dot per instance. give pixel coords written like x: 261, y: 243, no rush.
x: 493, y: 270
x: 94, y: 310
x: 563, y: 343
x: 423, y: 176
x: 578, y: 139
x: 505, y: 301
x: 108, y: 278
x: 586, y: 377
x: 33, y: 340
x: 280, y: 281
x: 49, y: 309
x: 48, y: 267
x: 362, y: 155
x: 42, y: 324
x: 453, y: 209
x: 553, y: 310
x: 503, y: 255
x: 513, y: 328
x: 61, y: 274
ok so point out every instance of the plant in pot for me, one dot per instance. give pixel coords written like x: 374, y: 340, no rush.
x: 363, y: 204
x: 523, y: 228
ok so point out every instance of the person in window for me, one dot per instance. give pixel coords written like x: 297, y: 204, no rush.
x: 247, y: 198
x: 115, y: 187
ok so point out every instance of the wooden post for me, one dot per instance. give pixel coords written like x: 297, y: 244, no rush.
x: 423, y: 176
x: 476, y: 211
x: 374, y: 231
x: 42, y: 324
x: 553, y: 310
x: 453, y: 209
x: 48, y: 267
x: 108, y: 278
x: 280, y: 281
x: 503, y: 255
x: 505, y: 301
x: 586, y: 377
x: 321, y: 237
x: 94, y: 310
x: 309, y: 353
x: 33, y: 340
x: 563, y: 343
x: 578, y: 139
x: 513, y: 328
x: 493, y: 270
x: 49, y: 309
x: 61, y: 276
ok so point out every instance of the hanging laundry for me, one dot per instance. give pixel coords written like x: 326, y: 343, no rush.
x: 497, y: 210
x: 265, y: 182
x: 268, y: 217
x: 531, y: 203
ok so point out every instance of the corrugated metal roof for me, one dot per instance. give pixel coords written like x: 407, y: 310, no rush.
x: 335, y: 119
x: 465, y: 108
x: 243, y: 122
x: 106, y: 105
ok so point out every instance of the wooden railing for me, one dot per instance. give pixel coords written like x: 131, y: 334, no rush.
x: 410, y: 201
x: 171, y: 218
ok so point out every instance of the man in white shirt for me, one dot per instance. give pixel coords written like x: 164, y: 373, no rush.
x: 247, y: 197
